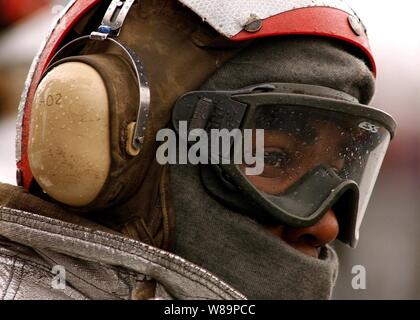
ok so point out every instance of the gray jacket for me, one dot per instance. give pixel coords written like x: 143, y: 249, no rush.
x: 91, y: 264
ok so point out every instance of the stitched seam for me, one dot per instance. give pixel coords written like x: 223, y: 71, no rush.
x: 20, y: 274
x: 65, y: 225
x: 11, y: 275
x: 175, y: 271
x: 48, y: 271
x: 85, y: 281
x: 42, y: 267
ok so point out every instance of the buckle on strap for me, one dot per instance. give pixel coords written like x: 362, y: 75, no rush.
x: 113, y: 20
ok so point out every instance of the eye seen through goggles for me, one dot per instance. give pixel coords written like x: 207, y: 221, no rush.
x: 321, y: 149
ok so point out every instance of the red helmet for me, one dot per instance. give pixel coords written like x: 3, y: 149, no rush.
x: 234, y: 19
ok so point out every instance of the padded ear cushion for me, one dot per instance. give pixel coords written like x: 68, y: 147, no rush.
x: 154, y: 35
x: 70, y: 115
x: 117, y: 177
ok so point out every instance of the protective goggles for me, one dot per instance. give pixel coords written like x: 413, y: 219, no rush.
x: 321, y: 150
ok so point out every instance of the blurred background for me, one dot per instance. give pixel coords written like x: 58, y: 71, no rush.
x: 390, y: 235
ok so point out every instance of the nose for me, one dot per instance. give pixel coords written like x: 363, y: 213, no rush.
x: 318, y: 235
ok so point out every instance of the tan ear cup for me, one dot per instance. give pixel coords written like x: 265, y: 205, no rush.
x: 69, y: 144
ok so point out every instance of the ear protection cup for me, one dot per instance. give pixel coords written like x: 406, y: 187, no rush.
x: 70, y: 104
x: 87, y: 125
x: 158, y: 33
x: 82, y: 122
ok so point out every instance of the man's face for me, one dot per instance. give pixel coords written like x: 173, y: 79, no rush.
x: 287, y: 159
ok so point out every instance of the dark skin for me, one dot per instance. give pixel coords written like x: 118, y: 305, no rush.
x: 299, y: 157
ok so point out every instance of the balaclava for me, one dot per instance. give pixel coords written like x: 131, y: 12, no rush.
x: 234, y: 247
